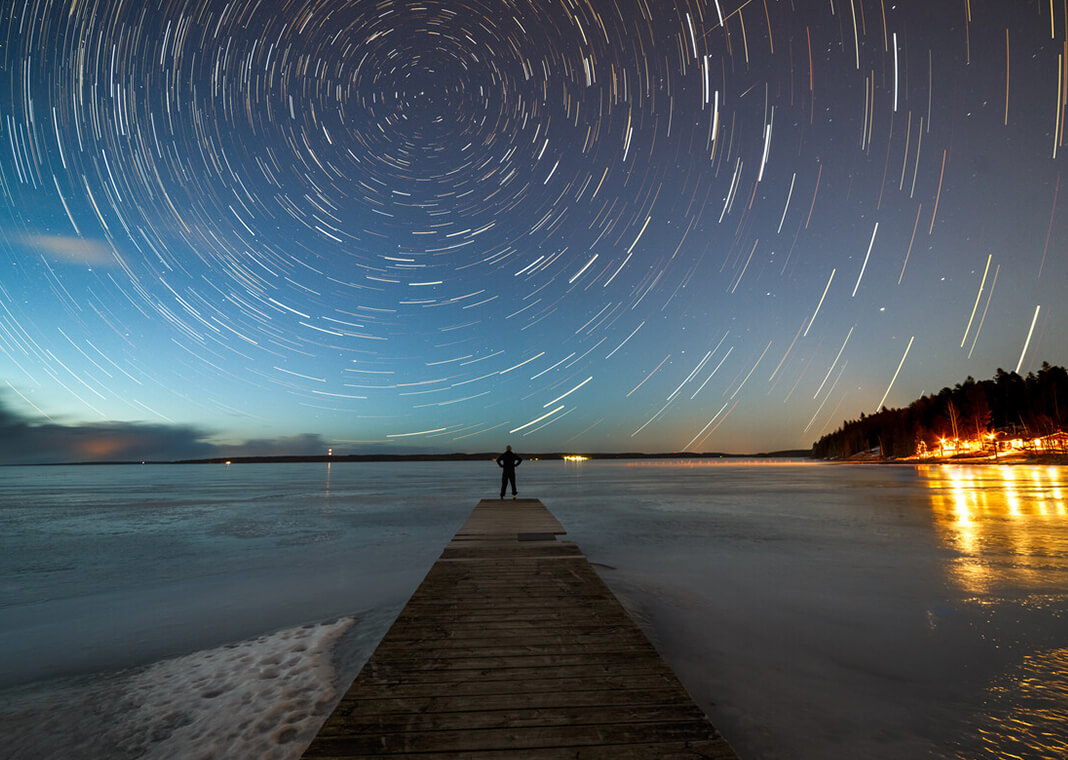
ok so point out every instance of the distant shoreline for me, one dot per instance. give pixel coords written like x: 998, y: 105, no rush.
x: 455, y: 457
x: 804, y: 454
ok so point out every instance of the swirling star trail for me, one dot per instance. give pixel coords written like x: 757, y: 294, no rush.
x: 439, y: 224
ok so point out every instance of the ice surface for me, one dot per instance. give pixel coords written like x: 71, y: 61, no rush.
x: 845, y: 612
x: 812, y: 611
x: 114, y: 567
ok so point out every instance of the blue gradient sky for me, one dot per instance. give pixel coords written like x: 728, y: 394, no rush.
x: 454, y: 225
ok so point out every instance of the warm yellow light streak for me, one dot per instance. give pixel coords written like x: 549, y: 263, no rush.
x: 916, y: 165
x: 915, y: 226
x: 791, y: 348
x: 1006, y: 77
x: 839, y: 356
x: 533, y: 422
x: 829, y: 394
x: 882, y: 6
x: 1060, y: 89
x: 938, y: 195
x: 558, y: 398
x: 977, y: 297
x: 420, y: 432
x: 905, y: 159
x: 982, y: 319
x: 789, y: 195
x: 866, y: 257
x: 767, y: 145
x: 658, y: 366
x: 609, y: 356
x: 528, y: 361
x: 688, y: 445
x: 16, y: 390
x: 817, y: 311
x: 967, y: 32
x: 1028, y: 341
x: 814, y: 192
x: 899, y: 366
x: 745, y: 37
x: 752, y: 370
x: 856, y: 39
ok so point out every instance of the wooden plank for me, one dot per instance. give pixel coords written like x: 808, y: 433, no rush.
x: 693, y: 750
x: 514, y: 647
x: 459, y: 650
x: 663, y: 695
x: 489, y: 691
x: 471, y: 720
x: 526, y: 737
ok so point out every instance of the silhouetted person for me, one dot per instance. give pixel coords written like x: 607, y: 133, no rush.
x: 508, y: 461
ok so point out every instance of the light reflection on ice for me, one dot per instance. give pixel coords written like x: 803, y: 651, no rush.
x: 1026, y: 712
x: 998, y: 520
x: 1007, y: 527
x: 842, y: 611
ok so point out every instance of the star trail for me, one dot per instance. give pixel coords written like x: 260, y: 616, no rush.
x: 577, y: 224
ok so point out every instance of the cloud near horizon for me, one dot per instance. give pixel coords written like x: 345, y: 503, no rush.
x: 26, y: 441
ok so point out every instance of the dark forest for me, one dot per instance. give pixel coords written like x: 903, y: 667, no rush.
x: 1007, y: 406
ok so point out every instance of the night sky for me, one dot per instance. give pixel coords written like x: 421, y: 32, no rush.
x: 447, y: 225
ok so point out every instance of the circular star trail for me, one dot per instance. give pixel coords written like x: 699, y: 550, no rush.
x: 658, y: 226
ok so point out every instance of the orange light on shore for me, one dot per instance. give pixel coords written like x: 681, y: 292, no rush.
x: 991, y: 446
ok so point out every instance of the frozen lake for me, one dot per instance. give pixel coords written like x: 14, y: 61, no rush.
x: 813, y: 610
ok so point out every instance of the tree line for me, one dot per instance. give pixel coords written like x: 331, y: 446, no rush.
x: 1008, y: 404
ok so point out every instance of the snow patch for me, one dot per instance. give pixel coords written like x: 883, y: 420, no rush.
x: 263, y: 698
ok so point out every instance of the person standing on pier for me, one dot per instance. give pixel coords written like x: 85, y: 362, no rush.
x: 508, y: 461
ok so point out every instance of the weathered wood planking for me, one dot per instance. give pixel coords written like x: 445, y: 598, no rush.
x: 513, y: 647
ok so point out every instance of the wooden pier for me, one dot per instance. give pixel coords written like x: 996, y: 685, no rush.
x: 513, y: 647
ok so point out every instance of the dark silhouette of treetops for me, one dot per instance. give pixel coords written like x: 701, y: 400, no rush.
x: 986, y: 412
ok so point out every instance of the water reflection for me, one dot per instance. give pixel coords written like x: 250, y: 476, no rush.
x: 1008, y: 525
x: 1007, y: 529
x: 1025, y: 714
